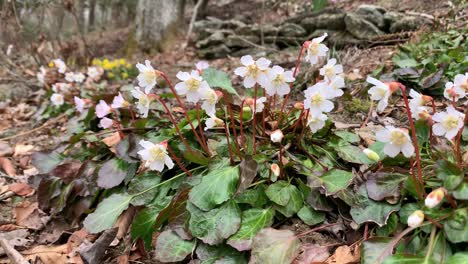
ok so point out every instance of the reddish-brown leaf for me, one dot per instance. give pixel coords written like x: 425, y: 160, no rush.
x: 21, y: 189
x: 7, y: 166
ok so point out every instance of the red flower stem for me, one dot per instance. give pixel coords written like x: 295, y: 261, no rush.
x: 254, y: 130
x: 433, y: 106
x: 185, y: 112
x: 175, y: 124
x: 132, y: 115
x: 200, y: 129
x: 413, y: 175
x: 117, y: 123
x: 415, y: 138
x: 174, y: 157
x: 233, y: 127
x: 263, y: 116
x: 303, y: 127
x: 458, y: 142
x: 296, y: 69
x: 298, y: 121
x: 281, y: 159
x: 454, y: 104
x: 241, y: 125
x: 229, y: 145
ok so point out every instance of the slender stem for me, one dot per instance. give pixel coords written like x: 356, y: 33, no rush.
x: 263, y: 117
x: 174, y: 156
x: 366, y: 231
x: 458, y: 142
x: 185, y: 112
x: 132, y: 114
x: 451, y: 200
x: 415, y: 138
x: 254, y: 130
x: 281, y: 159
x: 241, y: 125
x: 430, y: 247
x: 413, y: 175
x: 315, y: 229
x: 303, y: 127
x: 233, y: 127
x: 294, y: 75
x: 117, y: 123
x: 200, y: 129
x: 175, y: 124
x: 298, y: 121
x: 228, y: 144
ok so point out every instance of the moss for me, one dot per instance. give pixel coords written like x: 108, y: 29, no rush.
x: 357, y: 105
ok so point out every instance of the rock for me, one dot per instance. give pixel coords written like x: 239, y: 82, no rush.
x: 324, y: 21
x: 337, y: 37
x: 214, y: 52
x: 360, y: 27
x: 209, y: 22
x: 408, y: 23
x: 292, y: 30
x: 372, y: 13
x: 392, y: 17
x: 13, y: 91
x: 237, y: 41
x: 268, y: 30
x: 283, y: 41
x: 218, y: 37
x: 233, y: 24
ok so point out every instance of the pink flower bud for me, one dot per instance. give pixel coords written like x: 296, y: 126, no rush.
x: 275, y: 169
x: 416, y: 218
x: 434, y: 198
x: 276, y: 136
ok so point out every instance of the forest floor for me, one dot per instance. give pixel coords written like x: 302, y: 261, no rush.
x: 23, y: 131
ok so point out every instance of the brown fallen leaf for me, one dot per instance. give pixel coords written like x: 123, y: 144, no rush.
x: 9, y: 227
x: 28, y: 214
x: 47, y: 254
x: 345, y: 255
x: 122, y: 259
x: 21, y: 150
x: 124, y: 221
x: 5, y: 149
x: 7, y: 166
x: 112, y: 140
x: 21, y: 188
x: 313, y: 254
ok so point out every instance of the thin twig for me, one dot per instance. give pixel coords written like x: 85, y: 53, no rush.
x: 50, y: 121
x: 12, y: 253
x: 192, y: 21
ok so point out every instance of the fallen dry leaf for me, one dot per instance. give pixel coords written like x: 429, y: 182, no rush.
x: 5, y: 149
x: 9, y: 227
x: 29, y: 215
x: 124, y: 221
x: 313, y: 254
x: 123, y: 259
x: 47, y: 254
x: 7, y: 166
x: 21, y: 189
x: 21, y: 150
x: 112, y: 140
x: 344, y: 255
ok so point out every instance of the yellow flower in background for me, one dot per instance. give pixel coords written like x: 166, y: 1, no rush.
x: 122, y: 62
x: 128, y: 65
x: 124, y: 75
x: 51, y: 64
x: 110, y: 75
x: 96, y: 62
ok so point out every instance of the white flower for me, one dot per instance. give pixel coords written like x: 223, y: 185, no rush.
x: 461, y: 81
x: 315, y: 49
x: 396, y: 140
x: 144, y: 101
x: 155, y: 155
x: 61, y: 87
x: 453, y: 92
x: 119, y: 102
x: 317, y: 99
x: 57, y: 99
x: 102, y: 109
x: 210, y: 98
x: 253, y: 71
x: 372, y: 155
x: 192, y: 85
x: 278, y: 80
x: 93, y: 72
x: 331, y: 69
x: 259, y: 104
x: 106, y: 122
x: 41, y: 75
x: 335, y: 86
x: 61, y: 66
x: 79, y: 77
x: 379, y: 92
x: 147, y: 76
x: 79, y: 104
x: 316, y: 121
x: 69, y: 77
x: 416, y: 218
x: 448, y: 123
x: 213, y: 122
x: 434, y: 198
x: 416, y: 104
x: 276, y: 136
x: 201, y: 65
x: 275, y: 169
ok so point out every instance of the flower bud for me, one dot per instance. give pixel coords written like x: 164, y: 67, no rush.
x: 249, y: 101
x: 424, y: 115
x: 275, y: 169
x: 246, y: 113
x: 426, y: 99
x: 372, y: 155
x: 416, y: 218
x: 434, y: 198
x: 276, y: 136
x: 299, y: 105
x: 219, y: 94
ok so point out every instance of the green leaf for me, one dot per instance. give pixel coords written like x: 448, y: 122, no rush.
x: 196, y: 156
x: 215, y: 188
x: 280, y: 192
x: 373, y: 250
x: 309, y: 216
x: 275, y: 246
x: 294, y: 204
x: 405, y: 259
x: 144, y: 221
x: 353, y: 154
x: 441, y: 250
x: 461, y: 193
x: 46, y: 162
x: 405, y: 63
x: 381, y: 185
x: 390, y: 227
x: 348, y: 136
x: 214, y: 226
x: 107, y: 213
x: 406, y: 210
x: 458, y: 258
x: 142, y: 183
x: 422, y: 131
x: 127, y: 148
x: 370, y: 211
x: 335, y: 180
x: 216, y: 78
x: 113, y: 172
x: 456, y: 227
x: 252, y: 221
x: 220, y: 254
x: 449, y: 172
x: 171, y: 248
x: 255, y: 197
x: 319, y: 5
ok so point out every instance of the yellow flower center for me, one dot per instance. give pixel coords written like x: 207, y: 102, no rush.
x: 149, y: 76
x: 143, y: 100
x: 381, y: 92
x: 316, y: 99
x: 464, y: 86
x: 450, y: 122
x: 398, y: 137
x: 253, y: 71
x: 192, y: 84
x: 157, y: 153
x: 279, y: 79
x: 314, y: 48
x: 329, y: 72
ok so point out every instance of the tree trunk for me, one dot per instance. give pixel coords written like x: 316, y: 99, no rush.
x: 156, y: 23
